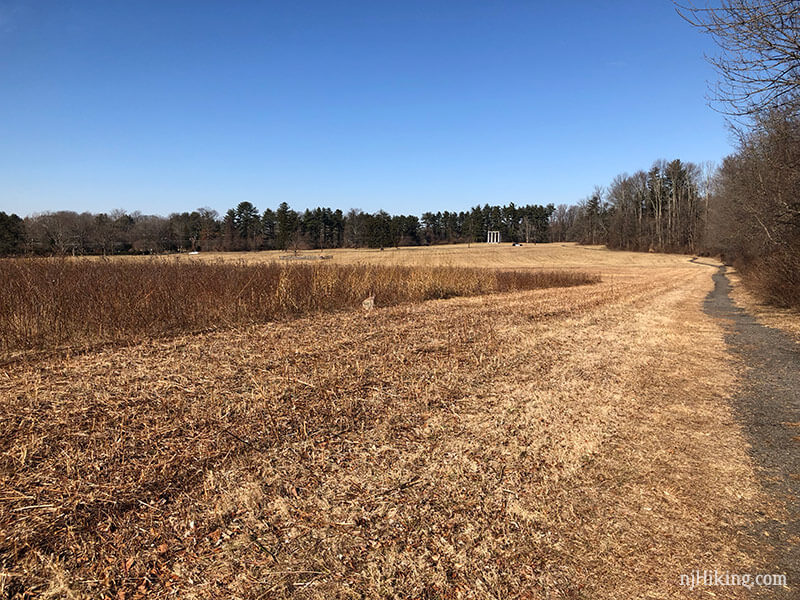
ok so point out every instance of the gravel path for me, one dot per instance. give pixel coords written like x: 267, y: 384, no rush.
x: 768, y: 407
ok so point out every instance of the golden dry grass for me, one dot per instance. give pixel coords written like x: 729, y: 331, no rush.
x: 565, y: 255
x: 562, y: 255
x: 562, y: 443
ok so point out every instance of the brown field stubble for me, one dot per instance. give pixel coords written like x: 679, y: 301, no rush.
x: 46, y: 303
x: 543, y: 444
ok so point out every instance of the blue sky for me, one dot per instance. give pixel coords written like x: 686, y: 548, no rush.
x: 407, y: 106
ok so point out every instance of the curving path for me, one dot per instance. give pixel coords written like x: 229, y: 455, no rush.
x: 768, y: 407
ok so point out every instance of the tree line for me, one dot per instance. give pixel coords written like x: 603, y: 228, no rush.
x: 663, y: 209
x: 246, y: 228
x: 755, y: 210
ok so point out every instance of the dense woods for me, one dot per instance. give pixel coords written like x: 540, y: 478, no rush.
x: 246, y: 228
x: 755, y: 210
x: 663, y: 209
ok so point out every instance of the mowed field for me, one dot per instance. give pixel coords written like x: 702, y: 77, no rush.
x: 548, y: 256
x: 565, y: 442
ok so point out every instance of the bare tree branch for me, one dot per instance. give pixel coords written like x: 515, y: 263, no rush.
x: 760, y: 59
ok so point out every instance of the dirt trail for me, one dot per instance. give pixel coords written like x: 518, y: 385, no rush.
x: 768, y: 407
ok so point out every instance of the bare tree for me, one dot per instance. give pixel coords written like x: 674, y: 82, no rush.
x: 760, y: 60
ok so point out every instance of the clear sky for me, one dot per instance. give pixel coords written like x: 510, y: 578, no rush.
x: 408, y: 105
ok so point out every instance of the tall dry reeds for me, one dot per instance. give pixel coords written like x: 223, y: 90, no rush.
x: 47, y: 303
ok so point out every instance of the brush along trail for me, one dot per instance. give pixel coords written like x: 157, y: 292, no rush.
x: 558, y: 443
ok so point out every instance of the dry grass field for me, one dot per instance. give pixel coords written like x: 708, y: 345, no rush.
x: 548, y: 256
x: 569, y: 442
